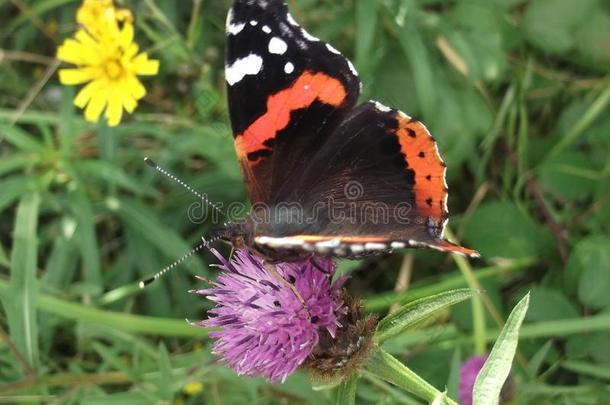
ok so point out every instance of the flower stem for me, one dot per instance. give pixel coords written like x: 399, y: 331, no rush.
x: 346, y: 393
x: 388, y: 368
x: 478, y: 312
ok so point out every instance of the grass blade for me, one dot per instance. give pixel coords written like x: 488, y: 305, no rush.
x: 20, y: 301
x: 114, y: 320
x: 492, y: 376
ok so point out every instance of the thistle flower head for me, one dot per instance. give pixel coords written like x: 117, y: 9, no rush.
x: 271, y: 318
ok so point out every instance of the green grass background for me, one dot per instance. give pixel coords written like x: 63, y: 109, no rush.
x: 516, y: 93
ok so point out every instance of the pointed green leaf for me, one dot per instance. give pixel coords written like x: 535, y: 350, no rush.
x: 388, y: 368
x: 416, y: 311
x: 492, y: 376
x: 20, y: 301
x: 87, y: 238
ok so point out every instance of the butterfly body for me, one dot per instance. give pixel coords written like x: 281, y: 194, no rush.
x: 325, y: 177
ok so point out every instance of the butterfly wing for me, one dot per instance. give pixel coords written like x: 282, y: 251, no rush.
x: 287, y: 90
x: 377, y: 183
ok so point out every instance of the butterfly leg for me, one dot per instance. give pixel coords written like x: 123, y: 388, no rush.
x: 317, y: 265
x: 272, y: 270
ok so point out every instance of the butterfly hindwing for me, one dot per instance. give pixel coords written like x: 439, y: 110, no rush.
x: 381, y: 182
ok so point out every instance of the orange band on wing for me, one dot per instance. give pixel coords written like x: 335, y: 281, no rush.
x: 308, y: 88
x: 424, y: 159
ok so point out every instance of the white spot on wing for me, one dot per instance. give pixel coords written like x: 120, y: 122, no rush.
x: 356, y: 248
x: 266, y: 29
x: 277, y: 46
x: 375, y: 246
x: 332, y: 49
x: 331, y: 243
x: 308, y: 36
x: 398, y: 245
x: 278, y: 242
x: 288, y: 68
x: 250, y: 65
x: 232, y: 28
x: 381, y: 107
x: 352, y: 67
x: 291, y: 20
x: 254, y: 23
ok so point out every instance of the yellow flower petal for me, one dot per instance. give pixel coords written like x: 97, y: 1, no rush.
x: 144, y: 66
x: 83, y: 96
x: 114, y: 112
x: 96, y: 106
x: 134, y: 88
x: 75, y: 76
x: 71, y: 51
x: 126, y: 37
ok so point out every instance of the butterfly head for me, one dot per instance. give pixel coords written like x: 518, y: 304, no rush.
x: 238, y: 233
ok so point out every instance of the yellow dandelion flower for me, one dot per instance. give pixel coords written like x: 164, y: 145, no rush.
x: 110, y: 66
x: 101, y: 17
x: 192, y: 388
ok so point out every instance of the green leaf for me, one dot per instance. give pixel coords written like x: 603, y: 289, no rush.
x: 550, y: 24
x: 415, y: 50
x: 416, y: 311
x: 164, y: 387
x: 593, y: 41
x: 385, y: 366
x: 501, y: 229
x: 593, y: 370
x: 346, y: 393
x: 494, y: 373
x: 438, y: 285
x: 12, y: 189
x: 590, y: 265
x: 115, y: 320
x: 143, y: 222
x: 21, y: 139
x: 549, y: 304
x: 20, y: 301
x: 107, y: 172
x: 453, y: 381
x: 87, y: 238
x: 569, y: 174
x: 366, y: 23
x: 535, y: 363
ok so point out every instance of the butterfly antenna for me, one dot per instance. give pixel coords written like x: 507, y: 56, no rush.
x: 172, y: 177
x: 205, y: 243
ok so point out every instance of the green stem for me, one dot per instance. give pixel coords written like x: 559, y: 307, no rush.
x: 385, y: 366
x: 346, y: 393
x: 597, y: 108
x: 478, y: 312
x: 115, y: 320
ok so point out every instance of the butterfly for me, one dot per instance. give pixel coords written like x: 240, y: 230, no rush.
x: 326, y: 177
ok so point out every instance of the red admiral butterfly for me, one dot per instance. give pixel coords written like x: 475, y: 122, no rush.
x: 325, y: 177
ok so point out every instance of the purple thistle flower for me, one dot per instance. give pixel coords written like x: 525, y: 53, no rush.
x: 267, y: 329
x: 468, y: 374
x: 469, y: 371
